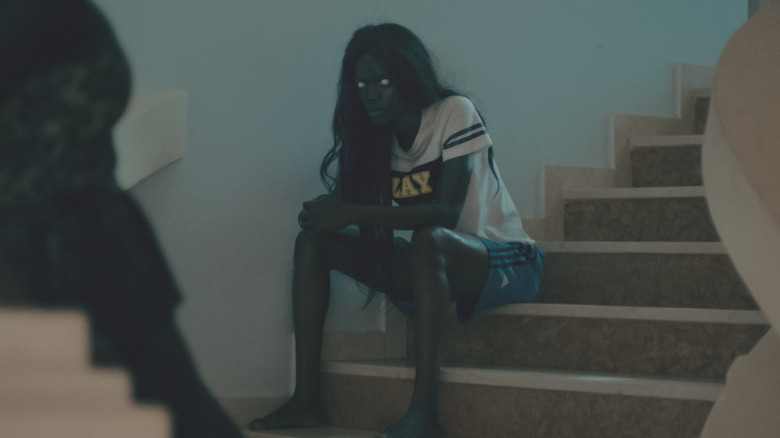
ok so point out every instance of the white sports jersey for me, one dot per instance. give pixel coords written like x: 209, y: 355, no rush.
x: 452, y: 128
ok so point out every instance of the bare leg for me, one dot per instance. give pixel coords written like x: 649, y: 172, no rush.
x: 315, y: 257
x: 439, y: 257
x: 311, y: 297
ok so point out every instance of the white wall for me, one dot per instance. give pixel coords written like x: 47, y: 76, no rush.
x: 261, y: 78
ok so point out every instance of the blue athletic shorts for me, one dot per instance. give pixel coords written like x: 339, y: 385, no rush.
x: 514, y: 277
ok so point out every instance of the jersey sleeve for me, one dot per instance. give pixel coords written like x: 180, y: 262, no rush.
x: 464, y: 131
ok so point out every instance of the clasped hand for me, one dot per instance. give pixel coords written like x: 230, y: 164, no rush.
x: 323, y: 214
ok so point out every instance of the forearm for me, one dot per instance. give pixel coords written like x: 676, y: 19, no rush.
x: 331, y: 213
x: 404, y: 218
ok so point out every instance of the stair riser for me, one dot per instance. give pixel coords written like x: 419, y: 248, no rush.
x: 468, y: 411
x: 639, y: 220
x: 666, y: 166
x: 706, y: 281
x: 611, y: 346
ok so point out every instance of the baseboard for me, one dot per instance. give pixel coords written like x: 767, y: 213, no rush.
x: 557, y: 179
x: 691, y: 82
x: 625, y: 126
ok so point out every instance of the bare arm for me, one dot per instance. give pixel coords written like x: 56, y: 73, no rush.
x: 330, y: 214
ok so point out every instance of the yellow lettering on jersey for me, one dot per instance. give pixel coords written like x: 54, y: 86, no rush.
x: 396, y: 187
x: 422, y: 180
x: 407, y: 188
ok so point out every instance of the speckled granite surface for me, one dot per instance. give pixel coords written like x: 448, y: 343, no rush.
x: 707, y: 281
x: 666, y: 166
x: 639, y: 220
x: 472, y: 411
x: 639, y: 347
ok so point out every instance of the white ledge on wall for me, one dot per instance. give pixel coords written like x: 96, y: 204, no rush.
x: 150, y: 135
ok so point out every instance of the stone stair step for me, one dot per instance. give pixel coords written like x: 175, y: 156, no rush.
x: 659, y: 214
x: 650, y: 274
x: 147, y: 422
x: 509, y: 403
x: 48, y: 386
x: 666, y: 140
x: 634, y: 193
x: 666, y: 161
x: 44, y: 340
x: 696, y: 343
x: 96, y: 390
x: 669, y: 314
x: 320, y: 432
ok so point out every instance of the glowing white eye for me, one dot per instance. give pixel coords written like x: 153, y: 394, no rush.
x: 361, y: 84
x: 384, y: 82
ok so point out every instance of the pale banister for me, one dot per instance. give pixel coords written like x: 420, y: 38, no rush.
x: 741, y: 166
x: 150, y: 135
x: 742, y: 155
x: 49, y: 388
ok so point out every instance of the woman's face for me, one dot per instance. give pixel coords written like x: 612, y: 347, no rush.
x: 377, y: 92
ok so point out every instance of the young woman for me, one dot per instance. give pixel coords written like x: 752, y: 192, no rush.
x: 68, y: 235
x: 412, y: 155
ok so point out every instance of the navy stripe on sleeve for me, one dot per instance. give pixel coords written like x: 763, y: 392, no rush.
x: 452, y: 142
x: 464, y: 140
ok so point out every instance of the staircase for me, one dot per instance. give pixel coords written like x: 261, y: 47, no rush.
x: 49, y: 388
x: 640, y: 315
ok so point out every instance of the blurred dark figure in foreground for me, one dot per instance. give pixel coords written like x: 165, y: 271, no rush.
x: 68, y: 235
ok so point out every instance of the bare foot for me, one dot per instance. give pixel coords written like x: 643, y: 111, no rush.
x: 414, y: 425
x: 291, y: 414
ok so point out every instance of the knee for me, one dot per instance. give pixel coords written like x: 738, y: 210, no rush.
x: 428, y: 247
x: 308, y: 246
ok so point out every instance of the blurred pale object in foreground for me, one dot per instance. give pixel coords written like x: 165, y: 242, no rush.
x: 48, y: 386
x: 740, y: 165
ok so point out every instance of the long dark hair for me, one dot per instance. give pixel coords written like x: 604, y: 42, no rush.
x: 363, y: 150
